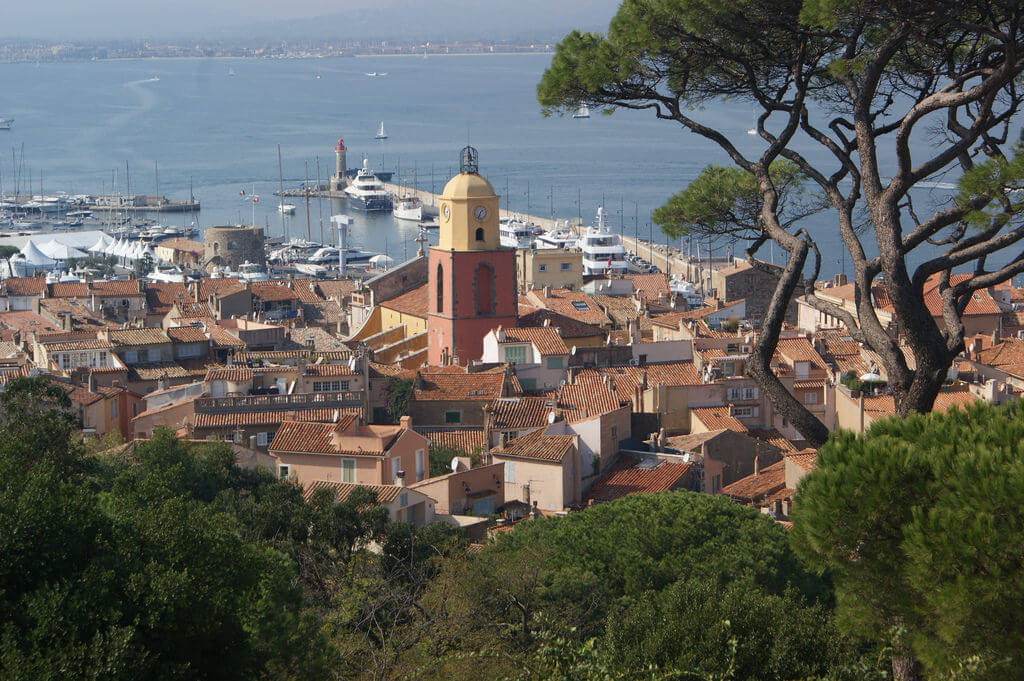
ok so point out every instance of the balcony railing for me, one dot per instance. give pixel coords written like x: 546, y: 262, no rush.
x: 332, y: 400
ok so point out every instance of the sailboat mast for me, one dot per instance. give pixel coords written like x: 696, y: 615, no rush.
x: 280, y: 192
x: 309, y: 231
x: 319, y: 200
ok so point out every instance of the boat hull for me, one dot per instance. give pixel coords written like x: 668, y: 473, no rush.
x: 369, y: 205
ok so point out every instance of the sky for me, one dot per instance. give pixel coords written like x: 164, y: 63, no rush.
x: 140, y: 19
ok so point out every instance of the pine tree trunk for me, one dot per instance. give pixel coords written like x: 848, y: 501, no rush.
x: 905, y: 667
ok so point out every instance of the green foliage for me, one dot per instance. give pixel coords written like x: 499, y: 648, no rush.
x: 850, y: 380
x: 920, y: 521
x: 103, y: 264
x: 441, y: 458
x: 8, y: 251
x: 731, y: 325
x: 397, y: 392
x: 144, y: 265
x: 726, y: 200
x: 999, y: 181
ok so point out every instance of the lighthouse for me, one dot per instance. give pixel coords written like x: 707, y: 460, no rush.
x: 338, y: 181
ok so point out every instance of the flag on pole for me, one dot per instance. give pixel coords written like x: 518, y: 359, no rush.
x: 241, y: 192
x: 256, y: 199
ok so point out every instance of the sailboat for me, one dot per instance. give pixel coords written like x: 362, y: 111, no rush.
x: 381, y: 135
x: 231, y: 71
x: 582, y: 112
x: 753, y: 130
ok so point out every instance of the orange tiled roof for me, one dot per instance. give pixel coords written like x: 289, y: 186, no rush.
x: 272, y: 290
x: 233, y: 374
x: 336, y: 288
x: 754, y: 488
x: 266, y: 418
x: 116, y: 289
x: 980, y: 303
x: 625, y: 380
x: 586, y: 398
x: 303, y: 437
x: 459, y: 386
x: 651, y: 286
x: 25, y: 286
x: 806, y: 459
x: 774, y: 438
x: 718, y: 418
x: 569, y: 327
x: 628, y: 476
x: 544, y: 338
x: 329, y: 370
x: 187, y: 334
x: 800, y: 350
x: 412, y: 302
x: 520, y: 412
x: 305, y: 289
x: 69, y: 289
x: 537, y: 446
x: 131, y: 337
x: 1007, y: 355
x: 880, y: 406
x: 181, y: 244
x: 466, y: 439
x: 220, y: 336
x: 385, y: 493
x: 574, y: 304
x: 71, y: 346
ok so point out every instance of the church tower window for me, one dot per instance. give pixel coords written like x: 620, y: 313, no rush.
x: 484, y: 289
x: 479, y: 233
x: 440, y: 288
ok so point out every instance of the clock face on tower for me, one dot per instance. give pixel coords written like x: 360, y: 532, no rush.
x: 447, y: 211
x: 480, y: 213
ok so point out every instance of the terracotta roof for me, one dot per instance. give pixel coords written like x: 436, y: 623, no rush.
x: 586, y: 398
x: 513, y: 413
x: 466, y: 439
x: 306, y: 291
x: 651, y: 286
x: 180, y: 244
x: 774, y: 438
x: 880, y: 406
x: 461, y: 386
x: 735, y: 268
x: 71, y: 346
x: 574, y: 304
x: 378, y: 370
x: 718, y: 418
x: 319, y: 338
x: 1007, y: 355
x: 632, y: 475
x: 267, y: 418
x: 27, y: 321
x: 209, y: 286
x: 162, y: 295
x: 314, y: 438
x: 800, y: 350
x: 272, y: 290
x: 342, y: 355
x: 133, y: 337
x: 153, y: 371
x: 116, y: 289
x: 805, y: 384
x: 980, y: 303
x: 570, y: 328
x: 625, y: 380
x: 412, y: 302
x: 315, y: 370
x: 537, y: 446
x: 187, y: 334
x: 806, y: 459
x: 25, y: 286
x: 336, y: 288
x: 69, y: 289
x: 836, y: 343
x: 233, y: 374
x: 385, y: 493
x: 753, y: 488
x: 544, y: 338
x: 220, y: 336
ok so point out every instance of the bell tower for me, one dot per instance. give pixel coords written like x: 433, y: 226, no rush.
x: 472, y: 279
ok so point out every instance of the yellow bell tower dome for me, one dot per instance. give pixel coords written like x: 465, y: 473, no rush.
x: 469, y: 209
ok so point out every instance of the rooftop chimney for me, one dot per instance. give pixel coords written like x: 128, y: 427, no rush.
x: 405, y: 422
x: 400, y: 478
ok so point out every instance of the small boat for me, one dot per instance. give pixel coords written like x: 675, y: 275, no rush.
x: 557, y: 238
x: 316, y: 76
x: 515, y: 233
x: 231, y: 71
x: 6, y: 123
x: 381, y: 135
x: 372, y: 74
x: 249, y: 271
x: 408, y: 208
x: 582, y: 112
x: 286, y: 209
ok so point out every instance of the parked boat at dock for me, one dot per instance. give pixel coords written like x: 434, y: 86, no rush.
x: 603, y: 252
x: 514, y: 232
x: 367, y: 193
x: 408, y: 208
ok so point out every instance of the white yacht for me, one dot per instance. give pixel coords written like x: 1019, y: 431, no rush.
x: 366, y: 192
x: 603, y: 252
x: 582, y: 112
x: 408, y: 208
x: 381, y: 135
x: 250, y: 271
x: 515, y: 233
x: 562, y: 237
x: 286, y: 208
x: 686, y: 290
x: 6, y: 123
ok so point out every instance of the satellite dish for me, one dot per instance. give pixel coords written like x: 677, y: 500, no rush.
x: 573, y: 351
x: 552, y: 416
x: 455, y: 464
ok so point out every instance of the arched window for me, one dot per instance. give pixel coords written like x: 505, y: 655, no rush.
x: 440, y: 288
x: 479, y: 233
x: 484, y: 289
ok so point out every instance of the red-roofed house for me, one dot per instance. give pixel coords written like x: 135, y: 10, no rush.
x: 542, y: 470
x: 538, y: 354
x: 634, y: 474
x: 350, y: 452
